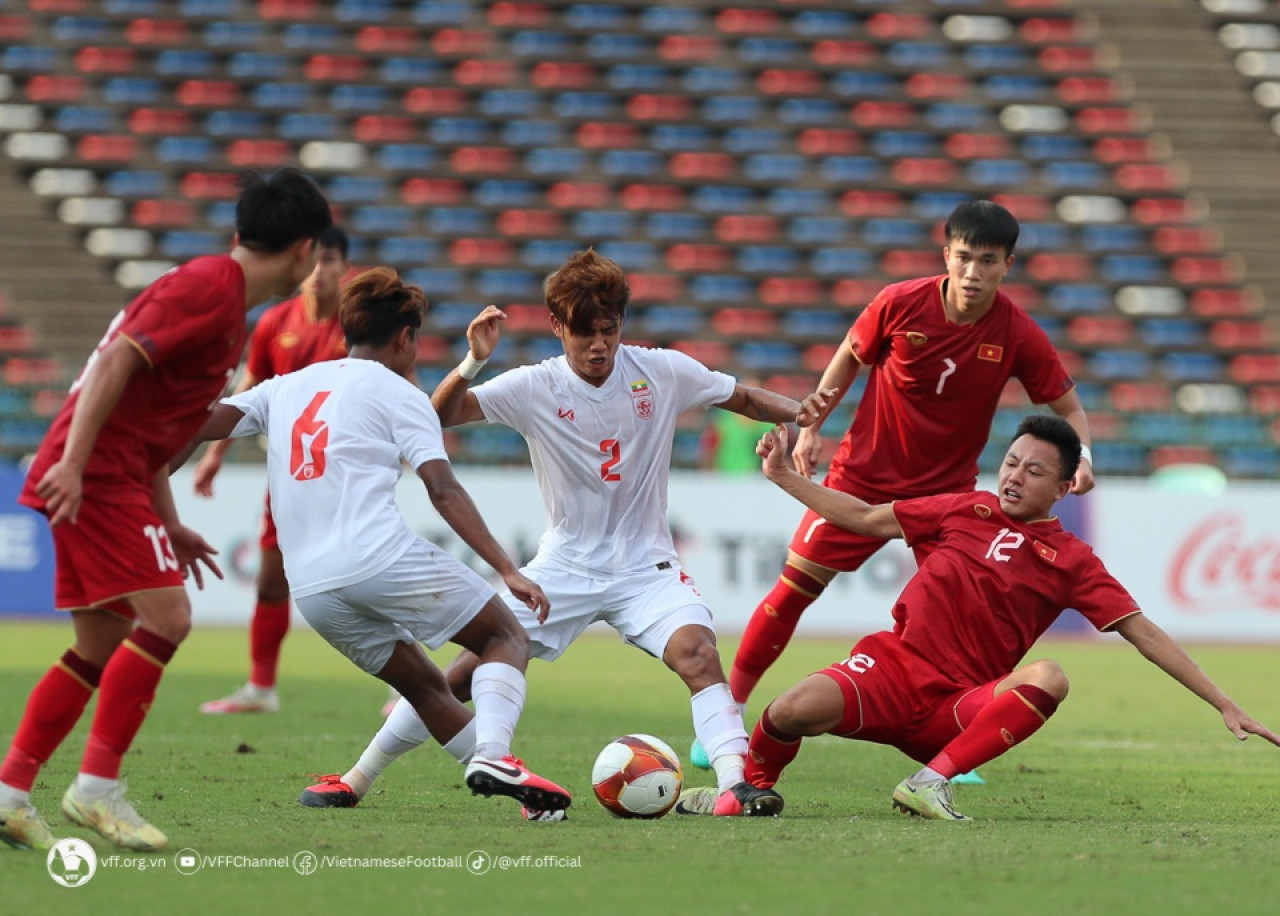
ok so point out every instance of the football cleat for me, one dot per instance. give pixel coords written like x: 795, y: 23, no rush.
x: 23, y: 828
x: 968, y: 779
x: 509, y: 776
x: 743, y: 800
x: 533, y: 814
x: 698, y: 755
x: 930, y: 799
x: 114, y: 818
x: 329, y: 792
x: 248, y: 698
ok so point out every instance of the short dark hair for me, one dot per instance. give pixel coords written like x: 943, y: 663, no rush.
x: 335, y: 237
x: 376, y: 304
x: 586, y: 288
x: 1056, y: 431
x: 276, y: 209
x: 983, y: 224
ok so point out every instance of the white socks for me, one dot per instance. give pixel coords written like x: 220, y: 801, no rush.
x: 92, y: 788
x: 13, y: 798
x: 717, y: 724
x: 498, y: 691
x: 402, y: 732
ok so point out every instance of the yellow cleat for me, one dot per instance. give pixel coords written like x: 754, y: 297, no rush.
x: 115, y: 819
x: 24, y: 828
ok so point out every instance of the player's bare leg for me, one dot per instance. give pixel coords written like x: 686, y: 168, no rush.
x: 267, y: 632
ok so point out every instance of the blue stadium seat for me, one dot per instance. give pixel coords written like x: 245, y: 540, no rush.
x: 1165, y: 333
x: 714, y: 80
x: 762, y: 356
x: 894, y: 144
x: 998, y: 172
x: 134, y: 183
x: 935, y: 206
x: 232, y: 34
x: 288, y: 96
x: 257, y: 65
x: 133, y: 7
x: 769, y: 50
x: 413, y: 71
x: 788, y: 201
x: 1255, y: 461
x: 918, y: 55
x: 436, y: 281
x: 1193, y: 367
x: 383, y: 220
x: 823, y: 23
x: 363, y: 10
x: 221, y: 214
x: 235, y: 124
x: 1162, y: 428
x: 352, y: 189
x: 864, y: 84
x: 75, y: 119
x: 1119, y: 458
x: 895, y: 233
x: 676, y: 226
x: 1111, y: 237
x: 842, y: 261
x: 507, y: 192
x: 769, y: 259
x: 723, y: 199
x: 1044, y: 237
x: 82, y: 30
x: 772, y: 167
x: 631, y: 255
x: 739, y: 140
x: 22, y: 59
x: 198, y: 9
x: 1120, y: 364
x: 179, y: 62
x: 451, y: 315
x: 810, y: 111
x: 1234, y: 430
x: 415, y: 250
x: 303, y: 126
x: 538, y: 44
x: 509, y: 284
x: 131, y: 90
x: 442, y: 12
x: 359, y: 98
x: 184, y: 244
x: 635, y: 162
x: 722, y: 108
x: 727, y: 288
x: 1131, y: 268
x: 619, y: 47
x: 464, y: 221
x: 638, y: 77
x: 184, y: 149
x: 1039, y: 147
x: 1070, y: 174
x: 533, y: 133
x: 672, y: 321
x: 460, y: 131
x: 1011, y: 87
x: 851, y: 170
x: 1079, y: 298
x: 547, y: 253
x: 826, y: 325
x: 593, y: 225
x: 953, y: 116
x: 585, y: 105
x: 674, y: 20
x: 684, y: 137
x: 561, y: 161
x: 407, y: 157
x: 596, y: 17
x: 996, y: 57
x: 819, y: 230
x: 509, y: 103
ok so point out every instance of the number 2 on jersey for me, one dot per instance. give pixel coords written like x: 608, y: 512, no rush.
x: 611, y: 448
x: 309, y: 440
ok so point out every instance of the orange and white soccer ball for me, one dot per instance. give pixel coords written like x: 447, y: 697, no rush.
x: 637, y: 776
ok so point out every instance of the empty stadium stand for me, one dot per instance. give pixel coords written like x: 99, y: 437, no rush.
x: 760, y: 169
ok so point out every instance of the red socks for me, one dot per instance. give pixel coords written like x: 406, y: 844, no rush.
x: 129, y: 683
x: 267, y: 631
x: 771, y: 628
x: 770, y: 752
x: 1009, y: 719
x: 53, y: 709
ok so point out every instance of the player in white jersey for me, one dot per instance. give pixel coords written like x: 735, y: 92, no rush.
x: 599, y: 422
x: 336, y: 434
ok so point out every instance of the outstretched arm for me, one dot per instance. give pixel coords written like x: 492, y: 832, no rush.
x: 222, y: 420
x: 211, y: 462
x: 1070, y: 409
x: 772, y: 407
x: 838, y: 376
x: 1159, y: 648
x: 454, y: 504
x: 841, y: 509
x: 455, y: 404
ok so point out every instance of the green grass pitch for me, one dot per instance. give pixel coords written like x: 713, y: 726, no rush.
x: 1132, y: 800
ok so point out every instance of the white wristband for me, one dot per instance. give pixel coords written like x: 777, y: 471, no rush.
x: 470, y: 367
x: 1086, y: 454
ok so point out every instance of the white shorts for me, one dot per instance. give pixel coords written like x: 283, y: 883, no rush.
x: 425, y: 596
x: 645, y: 608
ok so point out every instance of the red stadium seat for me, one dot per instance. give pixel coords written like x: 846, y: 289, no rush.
x: 31, y: 370
x: 937, y: 85
x: 1042, y: 30
x: 925, y: 171
x: 344, y: 68
x: 1088, y: 331
x: 522, y: 223
x: 572, y: 195
x: 210, y: 185
x: 778, y: 81
x: 430, y: 101
x: 15, y: 28
x: 15, y: 338
x: 377, y: 39
x: 549, y: 74
x: 652, y: 197
x: 481, y: 252
x: 1164, y: 455
x: 1100, y: 120
x: 868, y: 204
x: 1048, y: 267
x: 105, y: 60
x: 1152, y: 176
x: 1186, y: 239
x: 791, y: 291
x: 525, y: 318
x: 1025, y: 294
x: 300, y: 10
x: 1225, y: 303
x: 493, y: 160
x: 689, y: 47
x: 156, y: 32
x: 910, y: 263
x: 1085, y: 90
x: 976, y: 146
x: 655, y: 287
x: 384, y: 129
x: 701, y: 165
x: 1106, y: 427
x: 253, y: 153
x: 859, y: 293
x: 1137, y: 397
x: 1206, y: 271
x: 898, y: 25
x: 107, y: 148
x: 714, y: 354
x: 485, y: 72
x: 509, y: 15
x: 692, y: 258
x: 1265, y: 399
x: 742, y: 228
x: 163, y: 214
x: 739, y: 21
x: 207, y: 93
x: 735, y: 322
x: 56, y: 6
x: 598, y: 135
x: 818, y: 356
x: 884, y: 114
x: 1151, y: 210
x: 1110, y: 150
x: 53, y: 88
x: 1241, y: 335
x: 830, y: 52
x: 1025, y: 206
x: 169, y: 121
x: 1059, y: 59
x: 648, y: 106
x: 442, y: 192
x: 433, y: 350
x: 1249, y: 368
x: 828, y: 141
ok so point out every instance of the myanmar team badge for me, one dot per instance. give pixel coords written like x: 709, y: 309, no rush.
x: 642, y: 399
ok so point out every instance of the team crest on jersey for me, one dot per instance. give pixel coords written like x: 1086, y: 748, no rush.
x: 288, y: 340
x: 916, y: 339
x: 642, y: 399
x: 992, y: 353
x: 1046, y: 551
x: 983, y: 511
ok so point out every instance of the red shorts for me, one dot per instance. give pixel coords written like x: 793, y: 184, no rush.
x: 112, y: 551
x: 268, y: 540
x: 894, y: 696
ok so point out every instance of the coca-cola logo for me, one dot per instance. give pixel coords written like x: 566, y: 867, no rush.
x: 1218, y: 569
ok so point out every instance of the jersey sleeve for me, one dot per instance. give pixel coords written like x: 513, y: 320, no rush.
x: 1039, y: 367
x: 255, y: 404
x: 870, y: 333
x: 259, y: 362
x: 1099, y: 596
x: 506, y: 399
x: 696, y: 385
x: 178, y: 313
x: 416, y: 428
x: 921, y: 518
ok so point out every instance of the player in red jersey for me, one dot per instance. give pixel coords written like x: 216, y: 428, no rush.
x: 291, y: 336
x: 939, y: 351
x: 101, y: 477
x: 943, y: 686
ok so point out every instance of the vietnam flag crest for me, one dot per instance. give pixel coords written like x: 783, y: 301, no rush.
x: 1046, y: 551
x: 992, y: 353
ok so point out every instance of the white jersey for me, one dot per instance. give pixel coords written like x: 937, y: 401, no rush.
x: 336, y: 432
x: 602, y: 456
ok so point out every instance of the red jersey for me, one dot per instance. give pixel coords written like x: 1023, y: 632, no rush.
x: 190, y: 327
x: 933, y: 389
x: 288, y: 338
x: 993, y: 585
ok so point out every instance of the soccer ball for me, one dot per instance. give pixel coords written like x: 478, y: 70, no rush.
x: 637, y: 776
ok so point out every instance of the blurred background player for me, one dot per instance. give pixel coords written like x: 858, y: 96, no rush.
x: 337, y: 432
x: 290, y: 336
x: 599, y: 421
x: 101, y: 477
x: 942, y: 687
x: 728, y: 444
x: 939, y: 351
